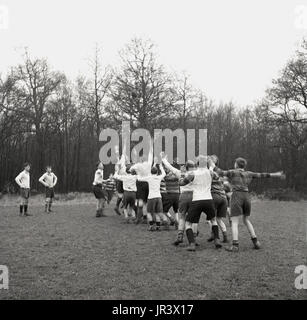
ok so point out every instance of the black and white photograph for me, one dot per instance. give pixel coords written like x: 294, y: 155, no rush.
x: 153, y: 151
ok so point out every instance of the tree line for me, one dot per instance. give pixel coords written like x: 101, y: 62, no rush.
x: 46, y: 118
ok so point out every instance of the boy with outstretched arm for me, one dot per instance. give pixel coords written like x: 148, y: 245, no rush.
x: 241, y: 199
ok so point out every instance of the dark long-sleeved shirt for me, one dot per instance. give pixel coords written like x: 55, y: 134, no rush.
x: 240, y: 179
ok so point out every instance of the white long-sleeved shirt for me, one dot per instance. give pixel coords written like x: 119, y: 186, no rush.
x: 142, y: 169
x: 23, y: 179
x: 154, y: 182
x: 48, y: 179
x: 129, y: 181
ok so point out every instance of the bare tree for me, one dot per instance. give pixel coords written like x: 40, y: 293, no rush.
x: 36, y: 84
x: 141, y: 89
x: 98, y: 85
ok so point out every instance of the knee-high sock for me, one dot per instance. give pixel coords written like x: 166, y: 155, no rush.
x: 139, y: 212
x: 215, y: 231
x: 118, y: 201
x: 190, y: 235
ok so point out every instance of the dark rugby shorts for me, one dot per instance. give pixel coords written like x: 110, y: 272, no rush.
x: 199, y: 206
x: 220, y: 204
x: 170, y: 200
x: 185, y: 200
x: 154, y: 205
x: 240, y: 204
x: 142, y: 190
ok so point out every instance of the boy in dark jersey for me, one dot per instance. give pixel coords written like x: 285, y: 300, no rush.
x: 220, y: 202
x: 185, y: 198
x: 170, y: 198
x: 241, y: 200
x: 228, y: 191
x: 110, y: 187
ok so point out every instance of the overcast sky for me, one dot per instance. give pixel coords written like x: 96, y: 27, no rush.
x: 231, y: 49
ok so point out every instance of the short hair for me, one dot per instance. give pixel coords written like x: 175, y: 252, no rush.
x: 154, y: 170
x: 159, y: 168
x: 128, y: 167
x: 189, y: 164
x: 48, y: 166
x: 176, y: 165
x: 26, y: 164
x: 201, y: 157
x: 216, y: 157
x: 241, y: 163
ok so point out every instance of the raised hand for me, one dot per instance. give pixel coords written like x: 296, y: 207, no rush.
x: 211, y: 163
x: 163, y: 155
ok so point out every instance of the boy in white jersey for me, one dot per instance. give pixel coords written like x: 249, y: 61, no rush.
x: 23, y: 181
x: 201, y: 180
x: 129, y: 179
x: 142, y: 169
x: 154, y: 203
x: 49, y: 180
x: 98, y: 190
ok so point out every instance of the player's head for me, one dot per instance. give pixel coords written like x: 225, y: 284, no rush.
x: 190, y: 165
x: 128, y: 167
x: 154, y: 170
x: 215, y: 159
x: 158, y: 166
x: 27, y: 166
x: 176, y: 163
x: 133, y: 172
x: 99, y: 165
x: 48, y: 168
x: 240, y: 163
x: 202, y: 161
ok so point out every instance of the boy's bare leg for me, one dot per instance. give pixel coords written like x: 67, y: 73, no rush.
x: 251, y: 231
x: 181, y: 226
x: 235, y: 234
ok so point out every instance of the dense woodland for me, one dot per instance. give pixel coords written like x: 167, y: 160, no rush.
x: 46, y: 118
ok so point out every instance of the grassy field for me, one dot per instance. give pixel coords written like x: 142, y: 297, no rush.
x: 73, y: 255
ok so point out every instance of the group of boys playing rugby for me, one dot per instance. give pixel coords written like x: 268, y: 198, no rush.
x: 197, y: 187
